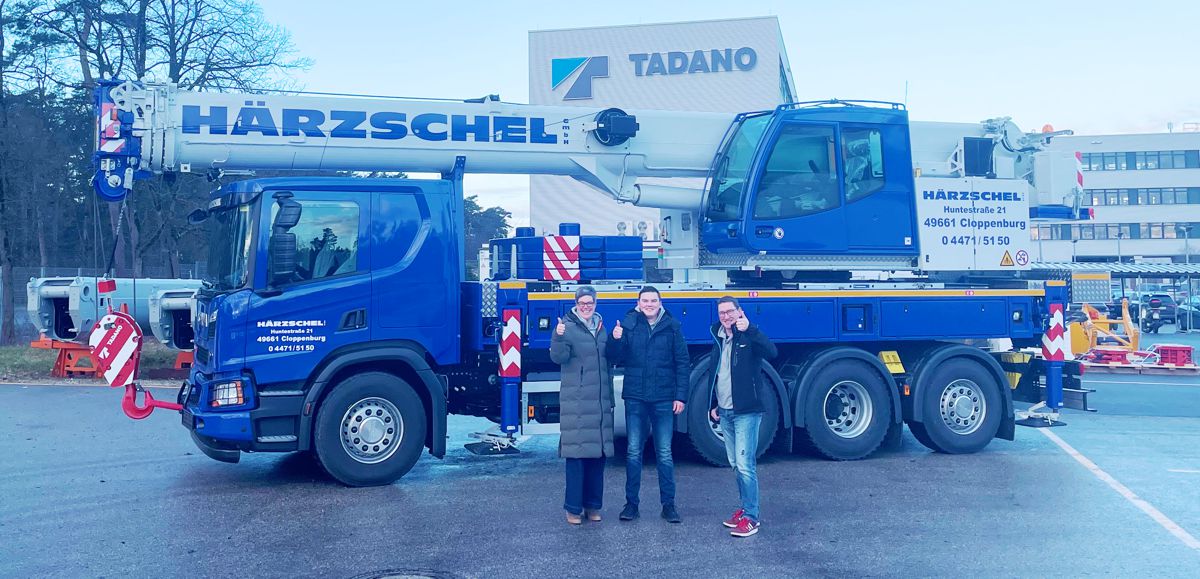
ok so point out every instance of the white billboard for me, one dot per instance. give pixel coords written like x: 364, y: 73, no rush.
x: 713, y: 66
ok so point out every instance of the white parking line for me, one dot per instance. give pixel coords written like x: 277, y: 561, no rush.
x: 1184, y: 470
x: 1087, y: 381
x: 1164, y: 521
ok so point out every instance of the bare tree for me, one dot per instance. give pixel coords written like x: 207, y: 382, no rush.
x: 197, y: 44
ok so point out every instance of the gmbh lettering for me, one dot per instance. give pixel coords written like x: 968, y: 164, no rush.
x: 695, y: 62
x: 256, y: 117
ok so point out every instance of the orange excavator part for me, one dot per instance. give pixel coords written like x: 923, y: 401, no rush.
x: 73, y: 360
x: 1096, y: 326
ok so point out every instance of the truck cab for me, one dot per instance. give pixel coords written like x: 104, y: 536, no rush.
x: 309, y: 277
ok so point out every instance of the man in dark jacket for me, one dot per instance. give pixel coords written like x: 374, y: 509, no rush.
x: 735, y: 367
x: 651, y: 347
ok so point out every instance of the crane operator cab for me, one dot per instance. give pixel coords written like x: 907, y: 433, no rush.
x: 807, y: 180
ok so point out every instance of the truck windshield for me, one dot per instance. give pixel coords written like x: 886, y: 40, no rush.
x: 733, y: 169
x: 229, y: 243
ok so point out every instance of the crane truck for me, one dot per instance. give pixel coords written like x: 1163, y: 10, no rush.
x: 881, y: 255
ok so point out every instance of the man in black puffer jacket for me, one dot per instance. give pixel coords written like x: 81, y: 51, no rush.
x: 650, y: 345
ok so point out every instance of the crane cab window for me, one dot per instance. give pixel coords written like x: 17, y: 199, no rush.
x: 801, y: 174
x: 863, y: 154
x: 729, y: 180
x: 326, y: 239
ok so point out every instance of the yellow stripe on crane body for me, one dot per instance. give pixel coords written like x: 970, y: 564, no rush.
x: 773, y: 294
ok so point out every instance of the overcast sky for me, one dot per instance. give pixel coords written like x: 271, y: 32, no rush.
x: 1095, y: 67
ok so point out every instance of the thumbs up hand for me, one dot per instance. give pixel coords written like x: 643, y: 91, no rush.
x: 561, y: 328
x: 742, y: 323
x: 618, y: 331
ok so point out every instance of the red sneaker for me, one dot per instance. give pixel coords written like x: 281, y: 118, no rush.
x: 733, y: 521
x: 745, y: 528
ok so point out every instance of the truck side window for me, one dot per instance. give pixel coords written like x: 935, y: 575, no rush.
x: 326, y: 239
x: 801, y: 174
x: 862, y: 151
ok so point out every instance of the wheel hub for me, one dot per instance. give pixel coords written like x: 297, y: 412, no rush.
x: 848, y: 409
x: 963, y: 407
x: 371, y: 430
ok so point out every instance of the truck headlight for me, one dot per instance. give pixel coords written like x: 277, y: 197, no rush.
x: 229, y: 393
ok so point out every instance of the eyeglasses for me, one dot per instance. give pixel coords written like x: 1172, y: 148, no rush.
x: 586, y: 304
x: 726, y: 313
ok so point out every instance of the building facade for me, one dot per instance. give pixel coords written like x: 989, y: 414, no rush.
x: 1145, y: 193
x: 729, y: 66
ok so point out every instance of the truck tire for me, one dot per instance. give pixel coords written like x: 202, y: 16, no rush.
x: 847, y: 411
x: 369, y: 430
x: 706, y: 438
x: 961, y: 407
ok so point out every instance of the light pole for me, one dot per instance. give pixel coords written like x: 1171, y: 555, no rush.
x: 1073, y: 244
x: 1120, y: 259
x: 1187, y: 260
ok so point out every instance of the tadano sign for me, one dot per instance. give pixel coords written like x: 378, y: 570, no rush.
x: 648, y: 64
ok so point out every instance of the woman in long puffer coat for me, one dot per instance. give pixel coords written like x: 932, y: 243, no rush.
x: 586, y: 405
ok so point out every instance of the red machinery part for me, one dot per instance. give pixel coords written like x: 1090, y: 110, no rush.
x: 132, y: 410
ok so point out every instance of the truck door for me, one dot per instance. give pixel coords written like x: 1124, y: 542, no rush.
x: 323, y: 306
x: 878, y: 188
x: 797, y: 201
x: 416, y: 267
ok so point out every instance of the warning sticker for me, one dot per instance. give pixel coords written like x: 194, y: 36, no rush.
x: 1006, y: 261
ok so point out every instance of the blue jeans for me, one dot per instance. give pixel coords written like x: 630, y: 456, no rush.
x: 741, y: 448
x: 639, y: 418
x: 585, y: 485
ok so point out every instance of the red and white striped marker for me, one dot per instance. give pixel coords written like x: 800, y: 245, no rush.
x: 560, y: 257
x: 510, y: 344
x: 1054, y: 341
x: 110, y: 129
x: 116, y: 345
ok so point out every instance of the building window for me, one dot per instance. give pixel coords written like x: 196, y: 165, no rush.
x: 1141, y: 160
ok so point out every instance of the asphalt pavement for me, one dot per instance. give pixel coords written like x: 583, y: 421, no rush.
x: 87, y: 492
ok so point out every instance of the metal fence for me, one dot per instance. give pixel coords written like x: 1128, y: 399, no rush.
x: 25, y: 329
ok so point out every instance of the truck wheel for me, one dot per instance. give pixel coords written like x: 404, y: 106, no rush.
x: 847, y: 411
x: 706, y: 438
x: 370, y: 430
x: 961, y: 406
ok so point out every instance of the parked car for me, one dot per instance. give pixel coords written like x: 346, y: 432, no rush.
x: 1188, y: 317
x: 1169, y: 310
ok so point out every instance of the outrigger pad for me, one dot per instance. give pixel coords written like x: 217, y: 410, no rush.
x: 489, y: 449
x: 1040, y: 422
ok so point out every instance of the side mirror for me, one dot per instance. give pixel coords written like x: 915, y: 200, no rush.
x: 197, y: 217
x: 281, y: 251
x: 281, y: 248
x: 289, y: 211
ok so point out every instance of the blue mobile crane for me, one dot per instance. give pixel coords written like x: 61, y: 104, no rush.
x: 881, y: 255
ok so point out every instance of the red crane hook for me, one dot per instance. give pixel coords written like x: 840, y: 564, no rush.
x: 132, y: 410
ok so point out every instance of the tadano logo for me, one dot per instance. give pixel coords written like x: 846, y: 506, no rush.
x: 588, y: 67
